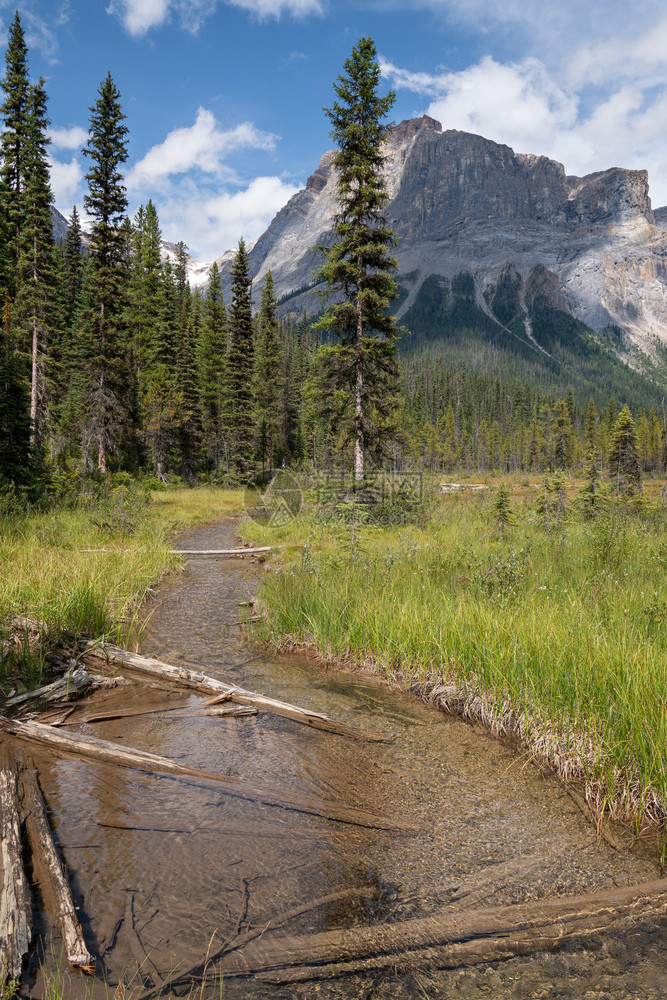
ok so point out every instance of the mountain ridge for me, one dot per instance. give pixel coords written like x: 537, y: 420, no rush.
x: 463, y: 204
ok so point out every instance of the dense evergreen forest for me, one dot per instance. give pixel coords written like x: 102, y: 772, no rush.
x: 111, y: 363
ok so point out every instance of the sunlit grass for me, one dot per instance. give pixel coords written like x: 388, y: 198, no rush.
x: 87, y: 570
x: 567, y: 626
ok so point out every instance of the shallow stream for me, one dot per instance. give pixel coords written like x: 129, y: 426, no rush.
x: 166, y: 870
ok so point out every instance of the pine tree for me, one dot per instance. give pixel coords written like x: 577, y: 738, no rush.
x: 624, y: 469
x: 238, y: 414
x: 358, y: 268
x: 14, y: 111
x: 267, y: 375
x: 162, y: 413
x: 106, y: 375
x: 186, y: 365
x: 590, y: 426
x: 211, y: 369
x: 591, y: 495
x: 38, y: 291
x: 502, y: 510
x: 562, y: 436
x: 15, y: 427
x: 72, y: 268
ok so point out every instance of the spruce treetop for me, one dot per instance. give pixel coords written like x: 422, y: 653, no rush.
x: 107, y: 148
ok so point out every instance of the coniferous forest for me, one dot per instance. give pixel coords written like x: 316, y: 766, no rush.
x: 110, y: 362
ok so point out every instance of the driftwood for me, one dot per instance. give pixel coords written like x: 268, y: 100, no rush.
x: 184, y: 711
x: 73, y: 683
x: 144, y: 666
x: 272, y: 923
x: 223, y: 552
x: 15, y: 904
x: 449, y: 939
x: 51, y: 872
x: 103, y: 750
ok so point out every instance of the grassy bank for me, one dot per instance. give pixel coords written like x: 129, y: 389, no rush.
x: 52, y: 569
x: 557, y: 633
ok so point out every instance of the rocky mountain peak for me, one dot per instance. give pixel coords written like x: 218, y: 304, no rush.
x: 461, y: 203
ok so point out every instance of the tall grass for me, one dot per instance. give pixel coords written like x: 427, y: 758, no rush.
x: 87, y: 568
x: 563, y: 632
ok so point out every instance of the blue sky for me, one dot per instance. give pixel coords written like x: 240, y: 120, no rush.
x: 224, y: 97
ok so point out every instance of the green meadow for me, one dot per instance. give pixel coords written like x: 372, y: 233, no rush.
x: 87, y: 568
x: 554, y: 624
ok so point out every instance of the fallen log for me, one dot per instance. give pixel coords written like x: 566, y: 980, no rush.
x: 15, y: 904
x: 223, y: 552
x: 449, y: 939
x: 51, y: 873
x: 70, y: 685
x: 240, y: 940
x: 92, y: 748
x: 182, y: 711
x: 145, y: 666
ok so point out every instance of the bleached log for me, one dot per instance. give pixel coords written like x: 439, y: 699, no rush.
x: 51, y: 873
x: 103, y: 750
x: 15, y: 904
x: 228, y: 711
x: 224, y: 552
x: 145, y: 666
x: 449, y: 939
x: 76, y: 680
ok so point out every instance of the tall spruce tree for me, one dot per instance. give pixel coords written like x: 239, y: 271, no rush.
x: 211, y: 364
x: 624, y: 468
x: 15, y: 427
x: 359, y: 270
x: 146, y: 290
x: 38, y: 284
x: 186, y: 365
x: 106, y: 368
x: 14, y: 111
x: 267, y: 375
x: 72, y: 264
x: 238, y: 416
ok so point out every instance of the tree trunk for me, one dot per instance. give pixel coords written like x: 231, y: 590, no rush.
x: 15, y: 904
x: 358, y: 403
x: 145, y: 666
x: 112, y: 753
x: 51, y: 872
x: 33, y: 376
x: 101, y: 445
x: 449, y: 938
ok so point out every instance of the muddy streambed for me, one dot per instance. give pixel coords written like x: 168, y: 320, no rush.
x: 164, y: 870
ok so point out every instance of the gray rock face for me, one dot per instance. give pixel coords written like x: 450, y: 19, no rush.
x: 462, y: 203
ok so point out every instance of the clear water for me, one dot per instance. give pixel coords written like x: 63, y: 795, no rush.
x: 166, y: 870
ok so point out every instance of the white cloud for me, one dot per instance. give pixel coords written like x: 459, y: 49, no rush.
x: 202, y: 146
x: 560, y: 27
x: 210, y: 223
x: 276, y: 8
x: 68, y: 138
x: 139, y: 16
x: 623, y: 57
x: 517, y: 103
x: 66, y: 180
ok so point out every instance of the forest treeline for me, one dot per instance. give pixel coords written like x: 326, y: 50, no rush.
x: 111, y: 362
